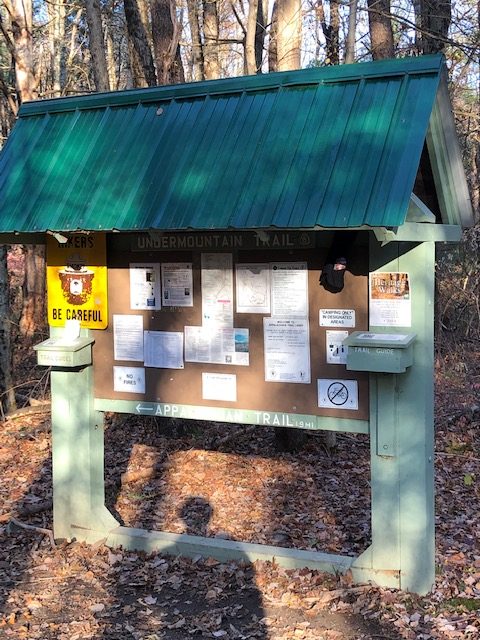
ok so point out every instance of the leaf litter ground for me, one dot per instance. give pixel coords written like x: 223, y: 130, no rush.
x: 187, y: 477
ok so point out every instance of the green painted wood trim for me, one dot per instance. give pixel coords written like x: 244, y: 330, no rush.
x: 422, y: 65
x: 446, y: 160
x: 236, y: 416
x: 418, y: 211
x: 223, y: 550
x: 77, y: 452
x: 419, y: 232
x: 403, y: 485
x: 226, y: 550
x: 363, y: 571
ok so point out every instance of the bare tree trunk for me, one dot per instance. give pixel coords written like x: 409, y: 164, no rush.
x: 21, y: 48
x: 330, y: 31
x: 143, y: 69
x: 197, y: 49
x: 210, y: 33
x: 352, y: 26
x: 433, y: 18
x: 250, y: 38
x: 272, y: 43
x: 260, y: 33
x: 20, y: 45
x: 7, y: 395
x: 33, y: 312
x: 110, y: 55
x: 73, y: 39
x: 96, y: 45
x: 381, y: 33
x: 56, y: 27
x: 289, y: 17
x: 166, y: 34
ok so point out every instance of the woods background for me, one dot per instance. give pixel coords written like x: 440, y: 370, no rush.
x: 51, y: 48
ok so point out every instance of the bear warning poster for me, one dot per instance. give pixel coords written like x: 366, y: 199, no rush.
x: 77, y: 280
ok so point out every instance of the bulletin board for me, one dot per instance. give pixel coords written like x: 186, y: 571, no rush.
x: 231, y: 320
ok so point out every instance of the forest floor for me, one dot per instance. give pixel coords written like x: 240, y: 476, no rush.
x: 241, y: 489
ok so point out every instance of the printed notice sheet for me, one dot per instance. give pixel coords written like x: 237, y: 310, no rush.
x: 145, y: 286
x: 217, y: 289
x: 289, y: 289
x: 128, y: 337
x: 129, y: 379
x: 287, y: 350
x: 390, y: 299
x: 177, y: 284
x: 217, y: 346
x: 163, y: 349
x: 219, y: 386
x: 253, y: 288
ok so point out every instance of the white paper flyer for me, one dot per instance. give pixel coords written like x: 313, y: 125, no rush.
x: 219, y: 386
x: 289, y: 289
x: 177, y: 284
x: 163, y: 349
x: 128, y: 337
x: 287, y: 350
x: 145, y: 286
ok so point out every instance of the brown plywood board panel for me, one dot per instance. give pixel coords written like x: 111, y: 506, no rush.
x: 184, y: 386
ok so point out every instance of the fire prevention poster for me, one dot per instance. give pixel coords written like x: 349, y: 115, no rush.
x: 77, y: 280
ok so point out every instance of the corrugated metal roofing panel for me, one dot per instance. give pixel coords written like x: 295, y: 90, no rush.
x: 336, y: 147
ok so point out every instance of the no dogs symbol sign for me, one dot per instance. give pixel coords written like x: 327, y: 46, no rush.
x: 337, y: 394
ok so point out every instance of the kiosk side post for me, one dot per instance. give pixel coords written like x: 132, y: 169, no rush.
x: 77, y: 454
x: 402, y: 440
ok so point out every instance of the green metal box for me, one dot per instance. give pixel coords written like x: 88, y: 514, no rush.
x: 379, y: 352
x: 59, y: 352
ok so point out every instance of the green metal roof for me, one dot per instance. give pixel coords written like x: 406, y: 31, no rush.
x: 329, y: 147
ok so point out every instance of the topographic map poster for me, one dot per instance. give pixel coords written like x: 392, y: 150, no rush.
x: 253, y: 288
x: 217, y: 289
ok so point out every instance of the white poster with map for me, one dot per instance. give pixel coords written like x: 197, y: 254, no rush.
x: 253, y: 288
x: 217, y: 346
x: 217, y: 289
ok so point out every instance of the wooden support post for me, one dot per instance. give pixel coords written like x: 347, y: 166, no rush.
x: 402, y: 552
x: 77, y: 454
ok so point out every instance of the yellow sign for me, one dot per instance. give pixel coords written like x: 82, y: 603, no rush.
x: 77, y: 280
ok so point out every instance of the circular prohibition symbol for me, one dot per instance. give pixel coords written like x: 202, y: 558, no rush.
x: 337, y: 393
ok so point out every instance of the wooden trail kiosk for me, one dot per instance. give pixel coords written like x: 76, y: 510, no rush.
x: 254, y: 250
